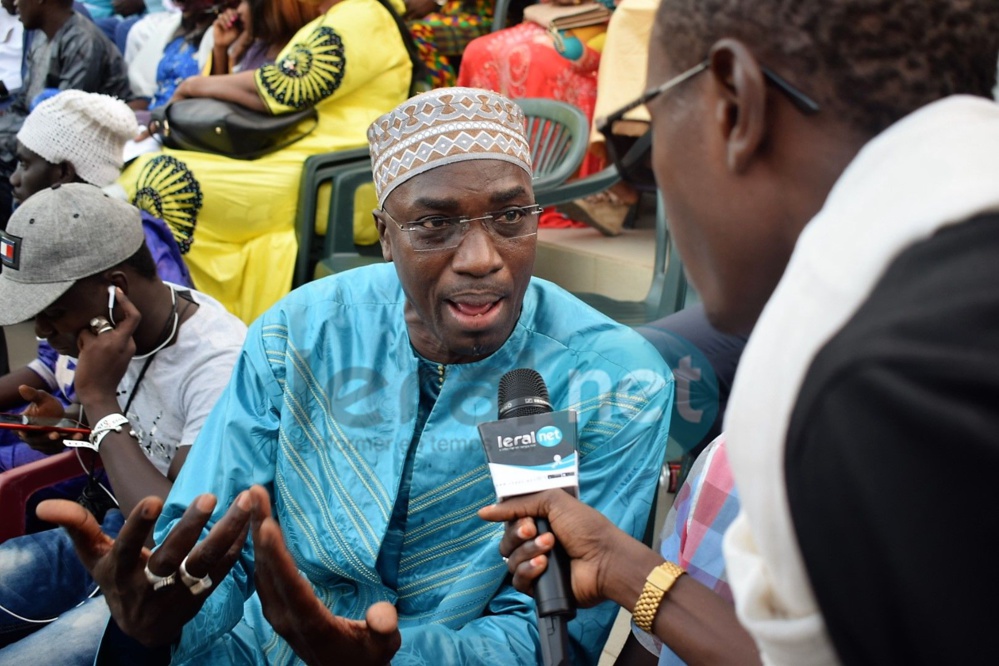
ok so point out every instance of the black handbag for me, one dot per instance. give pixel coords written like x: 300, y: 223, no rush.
x: 209, y: 125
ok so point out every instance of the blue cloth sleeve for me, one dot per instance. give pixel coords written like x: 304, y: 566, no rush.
x: 235, y: 449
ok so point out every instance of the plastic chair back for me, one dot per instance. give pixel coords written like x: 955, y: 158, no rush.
x: 339, y: 252
x: 20, y: 483
x: 500, y: 9
x: 559, y: 135
x: 316, y: 170
x: 668, y: 292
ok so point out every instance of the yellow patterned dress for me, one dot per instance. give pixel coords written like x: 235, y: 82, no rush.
x: 234, y: 219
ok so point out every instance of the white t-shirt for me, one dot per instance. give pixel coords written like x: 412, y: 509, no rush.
x: 11, y: 47
x: 183, y: 381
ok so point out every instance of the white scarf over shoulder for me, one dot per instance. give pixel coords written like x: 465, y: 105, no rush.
x: 936, y: 167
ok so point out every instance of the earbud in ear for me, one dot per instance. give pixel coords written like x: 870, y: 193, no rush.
x: 111, y: 299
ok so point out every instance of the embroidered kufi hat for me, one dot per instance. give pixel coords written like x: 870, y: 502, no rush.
x: 445, y: 126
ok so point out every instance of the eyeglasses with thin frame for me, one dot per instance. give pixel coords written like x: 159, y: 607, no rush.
x: 438, y: 232
x: 800, y: 100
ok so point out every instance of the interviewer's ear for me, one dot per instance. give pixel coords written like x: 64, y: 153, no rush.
x: 740, y: 106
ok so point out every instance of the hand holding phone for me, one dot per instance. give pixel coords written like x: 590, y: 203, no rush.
x: 43, y: 425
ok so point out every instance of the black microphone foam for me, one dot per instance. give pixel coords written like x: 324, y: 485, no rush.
x: 522, y: 392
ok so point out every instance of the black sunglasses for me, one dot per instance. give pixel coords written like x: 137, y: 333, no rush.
x: 632, y: 156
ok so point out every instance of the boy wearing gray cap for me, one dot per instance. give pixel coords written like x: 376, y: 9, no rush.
x: 152, y: 360
x: 74, y: 136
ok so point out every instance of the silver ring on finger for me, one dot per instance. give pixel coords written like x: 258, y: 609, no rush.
x: 100, y: 325
x: 505, y: 559
x: 159, y: 582
x: 194, y: 584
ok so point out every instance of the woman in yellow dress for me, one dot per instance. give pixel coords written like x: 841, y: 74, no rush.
x: 234, y: 219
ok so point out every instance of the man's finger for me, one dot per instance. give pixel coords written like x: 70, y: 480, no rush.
x: 382, y: 621
x: 513, y: 508
x: 29, y: 393
x: 260, y: 499
x: 382, y: 618
x: 91, y: 544
x: 178, y: 543
x: 130, y: 321
x: 529, y: 550
x: 135, y: 532
x: 217, y: 552
x: 516, y: 533
x: 527, y: 572
x: 276, y: 575
x: 272, y: 557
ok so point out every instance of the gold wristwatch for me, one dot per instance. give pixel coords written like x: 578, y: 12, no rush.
x: 657, y: 584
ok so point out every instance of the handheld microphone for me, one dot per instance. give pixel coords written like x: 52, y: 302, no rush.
x: 526, y: 425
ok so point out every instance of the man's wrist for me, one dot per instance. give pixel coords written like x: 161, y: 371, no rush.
x: 626, y: 574
x: 100, y: 407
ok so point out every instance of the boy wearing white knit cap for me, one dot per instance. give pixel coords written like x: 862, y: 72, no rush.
x: 75, y: 135
x: 72, y: 136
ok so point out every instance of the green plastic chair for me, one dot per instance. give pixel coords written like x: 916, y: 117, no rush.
x: 596, y: 182
x: 668, y: 293
x: 339, y: 251
x: 317, y: 170
x: 558, y: 134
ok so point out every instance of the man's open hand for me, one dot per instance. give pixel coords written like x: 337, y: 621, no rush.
x: 295, y: 613
x: 154, y: 617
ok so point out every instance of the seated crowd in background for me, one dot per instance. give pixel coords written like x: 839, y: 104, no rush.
x: 255, y: 32
x: 233, y: 219
x: 67, y: 52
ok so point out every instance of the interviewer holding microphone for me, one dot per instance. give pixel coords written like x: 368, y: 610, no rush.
x: 835, y: 163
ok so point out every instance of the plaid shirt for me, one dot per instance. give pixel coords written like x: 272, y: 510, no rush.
x: 692, y: 535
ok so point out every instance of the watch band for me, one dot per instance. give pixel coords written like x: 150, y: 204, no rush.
x: 110, y: 423
x: 657, y: 584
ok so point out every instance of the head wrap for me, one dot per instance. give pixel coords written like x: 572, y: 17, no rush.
x: 85, y: 129
x: 445, y: 126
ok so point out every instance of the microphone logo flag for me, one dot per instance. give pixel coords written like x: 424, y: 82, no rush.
x: 528, y: 454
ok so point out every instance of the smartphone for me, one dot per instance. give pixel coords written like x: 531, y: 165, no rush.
x: 39, y: 424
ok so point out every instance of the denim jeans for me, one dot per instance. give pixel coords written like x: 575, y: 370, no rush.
x: 42, y: 579
x: 71, y: 640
